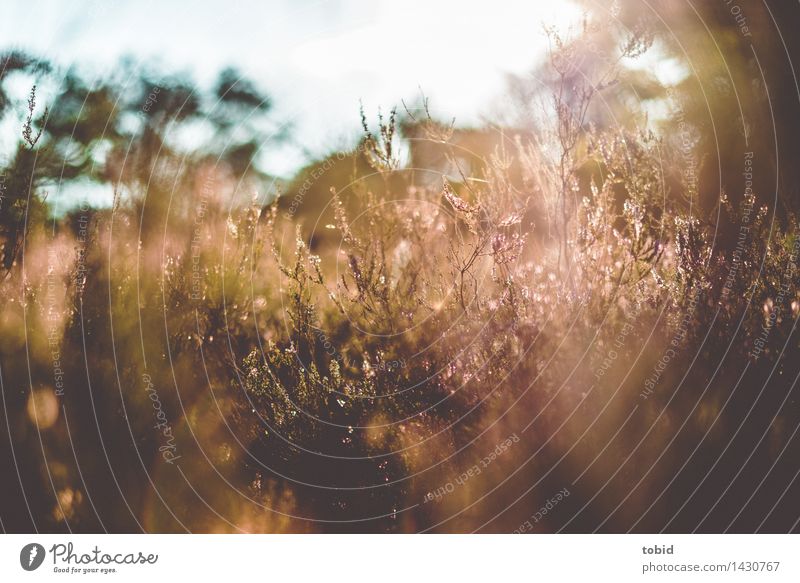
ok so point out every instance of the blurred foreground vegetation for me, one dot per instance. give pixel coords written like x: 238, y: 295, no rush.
x: 579, y: 296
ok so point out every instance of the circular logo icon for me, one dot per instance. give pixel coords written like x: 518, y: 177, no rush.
x: 31, y: 556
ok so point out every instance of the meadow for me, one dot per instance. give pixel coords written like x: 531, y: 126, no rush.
x: 560, y: 327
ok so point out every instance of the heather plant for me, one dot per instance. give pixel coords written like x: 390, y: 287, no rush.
x: 341, y: 375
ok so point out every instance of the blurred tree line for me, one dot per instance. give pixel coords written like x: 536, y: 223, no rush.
x: 738, y: 92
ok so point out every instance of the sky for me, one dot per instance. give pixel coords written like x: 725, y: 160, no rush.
x: 317, y: 58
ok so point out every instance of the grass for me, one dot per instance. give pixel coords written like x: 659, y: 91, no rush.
x: 359, y: 367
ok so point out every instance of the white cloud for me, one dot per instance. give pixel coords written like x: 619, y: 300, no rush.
x: 317, y: 58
